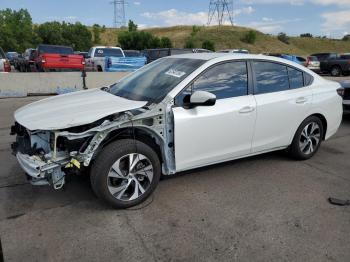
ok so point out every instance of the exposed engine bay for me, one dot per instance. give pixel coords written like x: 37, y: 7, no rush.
x: 48, y: 156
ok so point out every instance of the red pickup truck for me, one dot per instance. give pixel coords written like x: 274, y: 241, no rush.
x: 54, y: 57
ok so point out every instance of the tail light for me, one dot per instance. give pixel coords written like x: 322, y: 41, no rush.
x: 307, y: 61
x: 43, y: 61
x: 341, y: 91
x: 83, y: 62
x: 7, y: 66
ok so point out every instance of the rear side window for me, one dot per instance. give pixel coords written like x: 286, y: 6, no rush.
x: 103, y: 52
x: 296, y: 79
x: 270, y: 77
x: 224, y: 80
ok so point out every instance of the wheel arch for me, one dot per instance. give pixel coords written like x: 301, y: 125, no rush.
x: 144, y: 135
x: 324, y: 123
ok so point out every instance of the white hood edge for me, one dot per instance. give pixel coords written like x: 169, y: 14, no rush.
x: 73, y: 109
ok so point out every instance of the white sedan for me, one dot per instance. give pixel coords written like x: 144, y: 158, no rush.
x: 175, y: 114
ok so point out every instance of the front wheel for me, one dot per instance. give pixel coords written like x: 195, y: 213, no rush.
x: 307, y: 139
x: 125, y: 173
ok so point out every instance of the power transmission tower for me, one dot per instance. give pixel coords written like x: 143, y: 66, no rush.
x: 222, y: 10
x: 119, y: 13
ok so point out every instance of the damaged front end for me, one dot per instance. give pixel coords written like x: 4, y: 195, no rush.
x: 48, y: 156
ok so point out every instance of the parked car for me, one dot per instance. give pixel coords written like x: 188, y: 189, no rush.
x: 334, y: 64
x: 313, y: 64
x: 201, y: 50
x: 178, y: 113
x: 57, y: 58
x: 346, y: 96
x: 96, y: 61
x: 11, y: 56
x: 154, y: 54
x: 235, y: 51
x: 84, y: 54
x: 132, y: 53
x: 26, y: 62
x: 124, y: 64
x: 5, y: 65
x: 287, y: 56
x: 301, y: 60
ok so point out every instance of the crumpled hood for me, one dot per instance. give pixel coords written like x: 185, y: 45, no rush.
x: 73, y: 109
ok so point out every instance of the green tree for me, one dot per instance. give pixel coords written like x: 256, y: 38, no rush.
x: 75, y: 35
x: 165, y: 42
x: 207, y: 44
x: 249, y: 37
x: 132, y: 26
x: 195, y: 30
x: 306, y: 35
x: 16, y: 30
x: 346, y: 38
x: 189, y: 43
x: 283, y: 38
x: 96, y: 31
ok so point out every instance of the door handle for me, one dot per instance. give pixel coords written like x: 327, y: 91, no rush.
x: 246, y: 109
x: 301, y: 100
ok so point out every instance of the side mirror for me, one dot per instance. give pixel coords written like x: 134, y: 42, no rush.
x: 202, y: 98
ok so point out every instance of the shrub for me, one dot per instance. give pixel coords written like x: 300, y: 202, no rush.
x: 165, y: 42
x: 207, y: 44
x: 189, y: 43
x: 283, y: 38
x: 249, y: 37
x: 306, y: 35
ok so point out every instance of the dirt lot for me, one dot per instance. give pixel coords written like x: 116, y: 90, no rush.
x: 264, y: 208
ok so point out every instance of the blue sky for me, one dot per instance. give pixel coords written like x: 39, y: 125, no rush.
x: 319, y: 17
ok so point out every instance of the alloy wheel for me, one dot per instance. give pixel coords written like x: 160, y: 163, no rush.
x: 310, y: 138
x: 130, y: 177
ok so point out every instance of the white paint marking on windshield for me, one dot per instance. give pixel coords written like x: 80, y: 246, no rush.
x: 175, y: 73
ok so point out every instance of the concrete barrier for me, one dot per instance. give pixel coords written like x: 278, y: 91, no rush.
x: 24, y: 84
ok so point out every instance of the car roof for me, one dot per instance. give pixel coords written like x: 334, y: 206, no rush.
x: 218, y: 57
x: 225, y: 56
x: 112, y: 47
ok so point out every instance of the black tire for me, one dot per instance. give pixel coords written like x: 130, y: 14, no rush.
x: 295, y: 150
x: 109, y: 155
x: 336, y: 71
x: 99, y: 69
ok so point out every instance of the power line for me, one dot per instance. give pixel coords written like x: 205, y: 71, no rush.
x: 221, y: 11
x: 119, y: 13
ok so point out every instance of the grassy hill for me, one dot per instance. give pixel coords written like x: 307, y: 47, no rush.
x: 229, y: 37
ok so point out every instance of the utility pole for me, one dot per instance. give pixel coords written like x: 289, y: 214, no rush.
x: 220, y: 10
x: 119, y: 13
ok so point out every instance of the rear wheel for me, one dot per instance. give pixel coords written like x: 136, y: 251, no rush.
x: 125, y: 173
x: 336, y: 71
x: 307, y: 139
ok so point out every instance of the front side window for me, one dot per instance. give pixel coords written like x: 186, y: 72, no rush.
x: 224, y: 80
x: 270, y: 77
x: 154, y: 81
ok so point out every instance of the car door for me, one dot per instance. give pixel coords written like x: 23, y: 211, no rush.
x: 211, y: 134
x: 282, y: 101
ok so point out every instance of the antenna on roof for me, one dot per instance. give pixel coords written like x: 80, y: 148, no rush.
x: 119, y: 13
x: 222, y: 10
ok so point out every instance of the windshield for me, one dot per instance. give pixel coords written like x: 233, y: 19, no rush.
x: 154, y: 81
x: 102, y: 52
x: 51, y: 49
